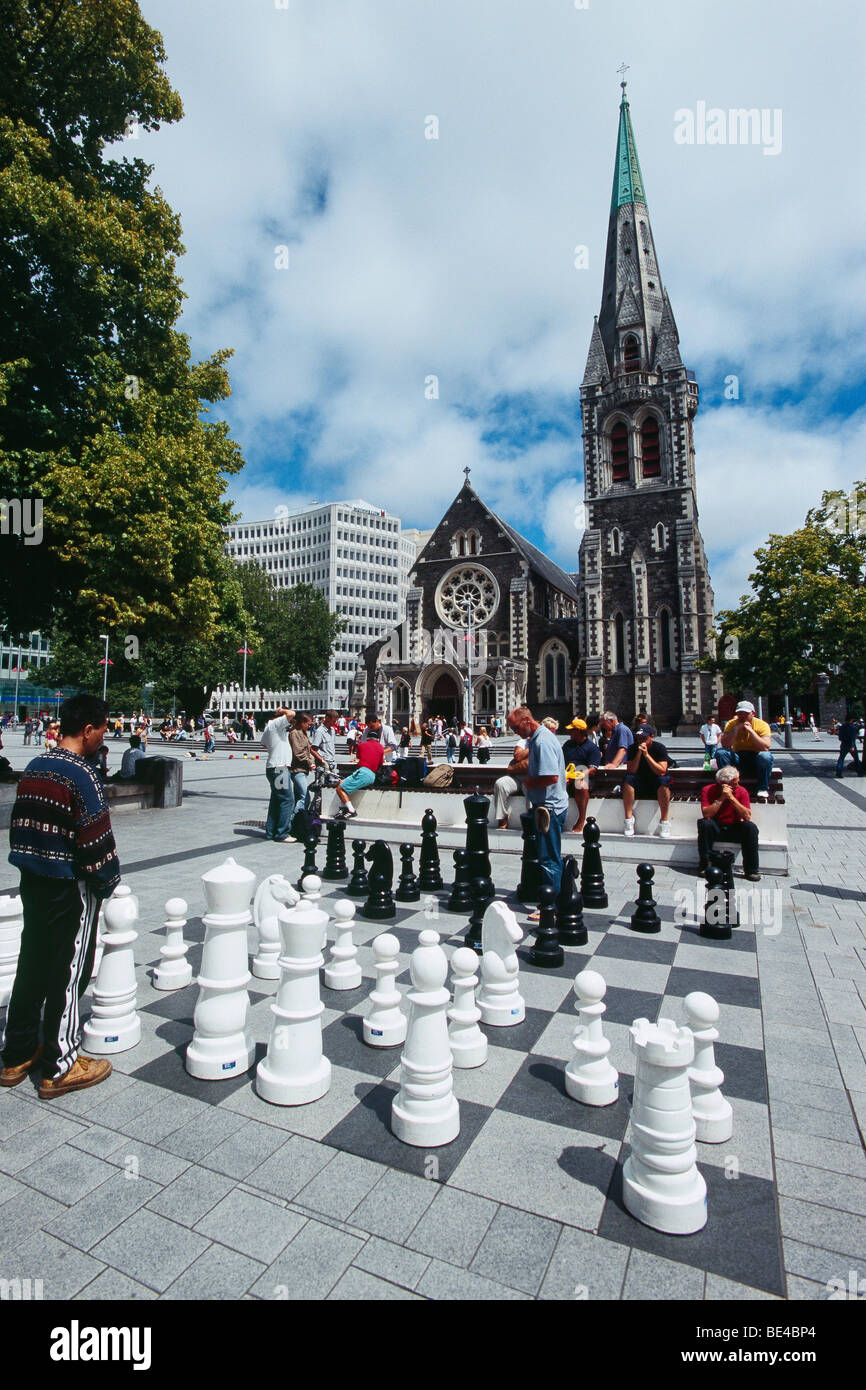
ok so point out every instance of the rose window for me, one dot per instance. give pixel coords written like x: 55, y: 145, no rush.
x: 465, y: 590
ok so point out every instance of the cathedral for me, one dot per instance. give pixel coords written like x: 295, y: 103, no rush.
x: 491, y: 622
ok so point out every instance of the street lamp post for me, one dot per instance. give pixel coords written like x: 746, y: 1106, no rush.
x: 57, y: 695
x: 246, y: 652
x: 391, y: 703
x: 788, y: 739
x: 104, y: 638
x: 17, y: 678
x: 469, y: 718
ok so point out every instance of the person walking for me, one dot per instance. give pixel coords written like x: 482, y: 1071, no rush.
x: 62, y: 844
x: 466, y: 745
x: 482, y: 744
x: 450, y: 746
x: 544, y: 786
x: 847, y: 734
x: 281, y: 806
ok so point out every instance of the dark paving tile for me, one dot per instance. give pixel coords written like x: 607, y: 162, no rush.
x: 739, y: 939
x: 577, y: 958
x: 366, y: 1131
x: 176, y: 1004
x: 538, y: 1092
x: 638, y: 947
x: 623, y: 1005
x: 745, y: 1072
x: 169, y: 1072
x: 343, y: 1044
x: 725, y: 989
x: 523, y: 1036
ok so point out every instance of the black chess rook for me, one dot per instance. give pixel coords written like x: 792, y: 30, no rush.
x: 335, y: 852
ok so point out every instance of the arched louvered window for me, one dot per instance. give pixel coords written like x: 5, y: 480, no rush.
x: 619, y: 641
x: 560, y: 677
x: 630, y: 350
x: 619, y: 452
x: 649, y: 447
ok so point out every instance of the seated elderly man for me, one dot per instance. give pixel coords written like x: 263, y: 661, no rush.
x: 647, y: 779
x: 511, y: 784
x: 745, y: 743
x: 582, y: 756
x: 727, y: 815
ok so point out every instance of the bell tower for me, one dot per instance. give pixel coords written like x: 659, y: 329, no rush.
x: 646, y: 604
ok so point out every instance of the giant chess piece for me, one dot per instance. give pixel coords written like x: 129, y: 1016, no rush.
x: 275, y: 892
x: 645, y: 918
x: 295, y: 1072
x: 380, y: 900
x: 357, y: 886
x: 589, y: 1076
x: 385, y: 1024
x: 311, y: 844
x: 335, y: 852
x: 547, y: 952
x: 482, y: 896
x: 343, y: 970
x: 429, y: 873
x: 661, y: 1183
x: 311, y: 891
x: 713, y: 1115
x: 468, y: 1043
x: 175, y: 971
x: 724, y: 860
x: 531, y: 875
x: 460, y: 899
x: 424, y: 1111
x: 591, y: 872
x: 11, y: 926
x: 114, y: 1025
x: 499, y: 997
x: 569, y: 906
x: 222, y: 1044
x: 715, y: 925
x: 408, y: 887
x: 478, y: 839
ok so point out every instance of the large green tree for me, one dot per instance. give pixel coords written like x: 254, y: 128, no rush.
x: 807, y: 609
x: 102, y: 410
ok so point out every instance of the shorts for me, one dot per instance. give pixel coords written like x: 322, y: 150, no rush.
x: 645, y: 788
x: 358, y: 780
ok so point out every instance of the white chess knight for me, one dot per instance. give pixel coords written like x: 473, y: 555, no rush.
x: 222, y: 1044
x: 499, y: 997
x: 114, y: 1025
x: 275, y: 892
x: 385, y: 1025
x: 713, y: 1115
x: 295, y: 1072
x: 589, y: 1076
x: 175, y: 971
x: 468, y: 1043
x: 661, y: 1183
x: 425, y: 1112
x: 11, y: 925
x: 343, y: 970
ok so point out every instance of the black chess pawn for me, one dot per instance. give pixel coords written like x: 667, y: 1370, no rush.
x: 645, y: 918
x: 591, y: 872
x: 715, y: 925
x: 724, y: 860
x: 335, y: 852
x: 531, y: 876
x: 482, y: 897
x: 429, y: 872
x: 460, y: 899
x: 547, y: 951
x: 311, y: 844
x: 569, y: 906
x: 408, y: 887
x: 380, y: 899
x: 357, y: 885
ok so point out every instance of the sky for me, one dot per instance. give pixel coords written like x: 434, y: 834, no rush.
x: 381, y: 201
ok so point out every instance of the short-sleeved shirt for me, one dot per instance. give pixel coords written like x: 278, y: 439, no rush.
x: 710, y: 733
x: 584, y: 754
x: 302, y: 756
x: 370, y: 754
x: 726, y: 815
x: 546, y: 760
x: 129, y: 760
x: 848, y: 733
x: 322, y: 738
x: 275, y: 738
x: 657, y: 752
x: 621, y: 737
x: 741, y: 743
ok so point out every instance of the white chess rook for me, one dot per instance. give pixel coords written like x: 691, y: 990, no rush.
x: 385, y: 1024
x: 661, y: 1183
x: 11, y: 925
x: 114, y: 1025
x: 425, y: 1112
x: 713, y: 1115
x: 589, y: 1076
x: 295, y: 1072
x: 468, y: 1043
x: 222, y: 1044
x: 175, y: 972
x: 499, y: 998
x: 275, y: 892
x: 343, y: 970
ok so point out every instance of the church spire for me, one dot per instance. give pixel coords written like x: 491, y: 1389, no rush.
x: 627, y: 177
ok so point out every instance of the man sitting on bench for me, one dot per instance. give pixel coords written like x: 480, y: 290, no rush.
x: 727, y: 815
x: 745, y: 743
x: 647, y: 779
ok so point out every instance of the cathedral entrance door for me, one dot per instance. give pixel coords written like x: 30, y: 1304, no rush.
x: 445, y: 699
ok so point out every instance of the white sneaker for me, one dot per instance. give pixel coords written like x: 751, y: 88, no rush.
x: 664, y: 830
x: 763, y: 796
x: 628, y: 828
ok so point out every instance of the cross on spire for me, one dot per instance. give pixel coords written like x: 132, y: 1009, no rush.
x: 622, y: 70
x: 467, y: 470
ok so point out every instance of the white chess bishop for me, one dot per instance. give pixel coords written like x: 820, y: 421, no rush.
x: 385, y: 1024
x: 114, y: 1025
x: 499, y: 997
x: 295, y: 1072
x: 589, y: 1076
x: 222, y: 1044
x: 425, y: 1112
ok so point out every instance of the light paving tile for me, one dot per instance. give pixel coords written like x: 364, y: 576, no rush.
x: 360, y: 1287
x: 834, y: 1190
x: 150, y: 1249
x: 148, y: 1161
x: 67, y: 1174
x: 516, y: 1249
x: 111, y: 1286
x: 339, y: 1187
x: 244, y: 1150
x: 30, y: 1144
x: 394, y: 1206
x: 585, y: 1266
x: 813, y: 1262
x: 392, y: 1262
x: 194, y: 1193
x: 453, y: 1227
x: 291, y: 1167
x: 100, y: 1211
x: 310, y: 1265
x: 447, y: 1282
x: 251, y: 1225
x: 653, y: 1277
x: 818, y: 1225
x: 62, y: 1269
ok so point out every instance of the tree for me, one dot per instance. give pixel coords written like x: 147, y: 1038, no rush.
x: 101, y: 409
x: 807, y: 609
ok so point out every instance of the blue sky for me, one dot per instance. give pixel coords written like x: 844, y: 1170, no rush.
x: 453, y: 257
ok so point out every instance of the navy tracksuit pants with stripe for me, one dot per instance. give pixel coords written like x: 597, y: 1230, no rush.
x: 58, y: 944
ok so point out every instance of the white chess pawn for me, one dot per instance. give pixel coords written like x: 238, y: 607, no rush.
x: 175, y: 972
x: 11, y: 926
x: 714, y: 1117
x: 114, y: 1025
x: 343, y: 970
x: 468, y: 1043
x: 589, y: 1076
x: 311, y: 887
x: 425, y: 1112
x: 222, y: 1044
x: 274, y: 892
x: 660, y: 1181
x: 295, y: 1072
x: 385, y: 1024
x: 499, y: 997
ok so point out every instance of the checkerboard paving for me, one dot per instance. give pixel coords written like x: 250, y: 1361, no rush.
x: 523, y: 1141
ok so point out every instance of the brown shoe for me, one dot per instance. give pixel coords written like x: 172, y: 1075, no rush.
x: 84, y: 1072
x: 11, y: 1076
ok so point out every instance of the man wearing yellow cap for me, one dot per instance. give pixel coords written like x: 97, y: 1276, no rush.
x: 582, y: 757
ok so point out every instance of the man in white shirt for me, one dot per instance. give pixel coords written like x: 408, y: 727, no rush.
x: 281, y: 806
x: 386, y: 737
x: 323, y: 739
x: 710, y: 735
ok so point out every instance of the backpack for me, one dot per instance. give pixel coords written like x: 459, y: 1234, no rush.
x: 386, y: 776
x: 451, y: 740
x: 439, y: 776
x: 466, y: 739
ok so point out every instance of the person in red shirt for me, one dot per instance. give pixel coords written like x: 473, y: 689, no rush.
x: 727, y: 815
x: 370, y: 754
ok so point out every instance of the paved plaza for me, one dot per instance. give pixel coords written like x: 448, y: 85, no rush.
x: 155, y: 1185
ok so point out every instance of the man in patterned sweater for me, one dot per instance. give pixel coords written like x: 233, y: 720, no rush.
x: 62, y: 844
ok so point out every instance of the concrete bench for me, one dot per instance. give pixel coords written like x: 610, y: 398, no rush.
x: 158, y: 784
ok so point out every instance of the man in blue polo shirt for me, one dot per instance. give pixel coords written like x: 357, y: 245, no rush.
x: 620, y: 739
x: 544, y: 786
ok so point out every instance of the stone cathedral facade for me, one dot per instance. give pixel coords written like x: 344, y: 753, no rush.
x: 646, y: 604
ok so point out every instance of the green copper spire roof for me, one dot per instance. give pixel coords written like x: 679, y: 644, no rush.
x: 627, y: 177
